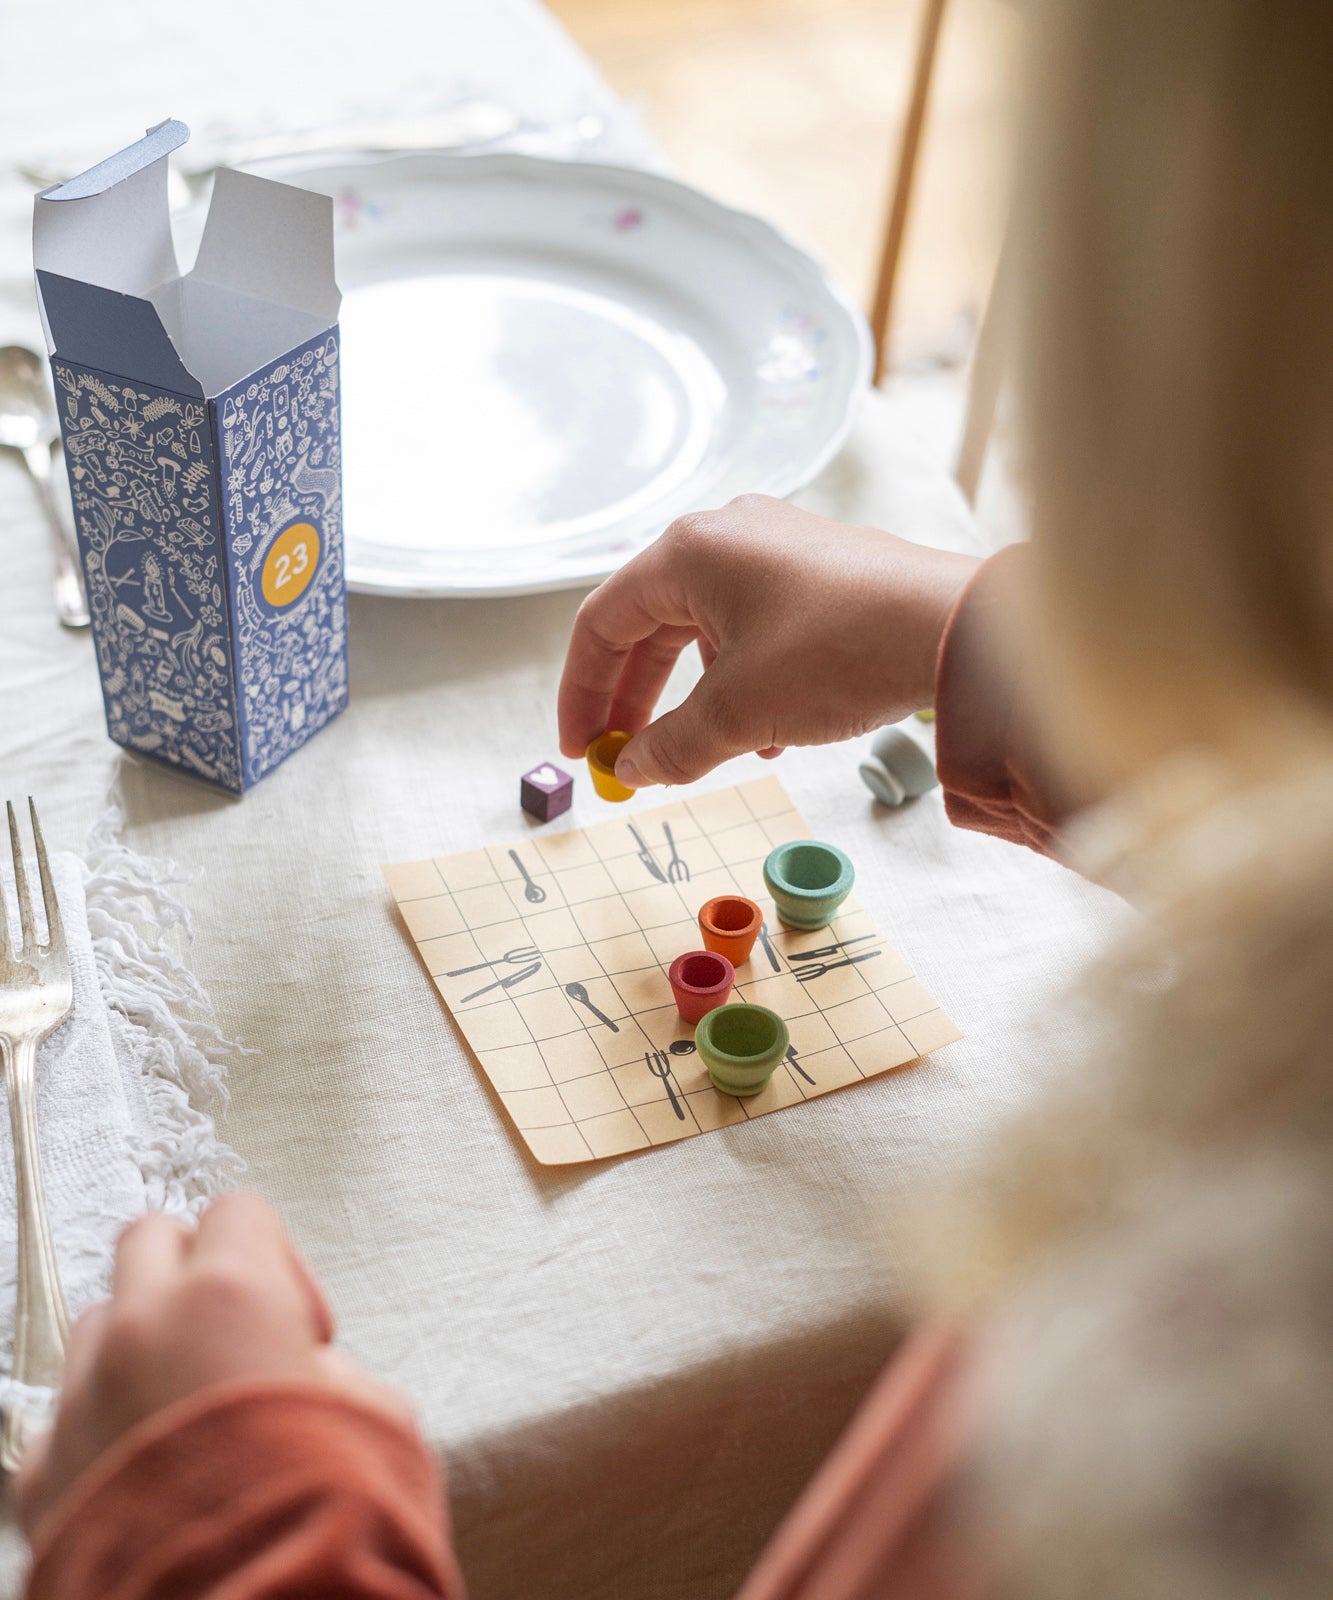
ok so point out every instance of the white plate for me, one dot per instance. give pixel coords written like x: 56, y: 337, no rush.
x: 545, y: 362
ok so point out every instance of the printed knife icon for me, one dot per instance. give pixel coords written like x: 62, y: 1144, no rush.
x: 795, y: 1065
x: 646, y: 855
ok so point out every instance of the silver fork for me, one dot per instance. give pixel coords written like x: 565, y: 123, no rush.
x: 36, y: 995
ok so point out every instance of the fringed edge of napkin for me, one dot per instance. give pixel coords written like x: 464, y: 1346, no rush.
x: 162, y: 1016
x: 164, y: 1030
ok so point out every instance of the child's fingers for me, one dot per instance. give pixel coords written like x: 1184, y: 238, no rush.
x: 32, y: 1482
x: 705, y: 730
x: 149, y: 1256
x: 85, y: 1341
x: 242, y: 1225
x: 644, y: 676
x: 611, y: 621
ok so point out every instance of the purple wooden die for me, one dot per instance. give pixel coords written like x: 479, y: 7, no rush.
x: 546, y: 791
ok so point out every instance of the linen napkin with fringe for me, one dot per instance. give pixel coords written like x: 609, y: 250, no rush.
x: 128, y: 1087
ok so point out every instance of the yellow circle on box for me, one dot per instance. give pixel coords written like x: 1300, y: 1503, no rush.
x: 290, y: 564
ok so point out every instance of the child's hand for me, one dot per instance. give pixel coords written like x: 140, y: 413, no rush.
x: 188, y: 1310
x: 810, y: 631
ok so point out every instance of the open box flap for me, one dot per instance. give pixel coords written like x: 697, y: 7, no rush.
x: 110, y: 290
x: 114, y: 333
x: 109, y: 228
x: 272, y: 241
x: 262, y: 281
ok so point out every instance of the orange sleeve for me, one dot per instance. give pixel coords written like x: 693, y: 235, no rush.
x: 877, y: 1520
x: 249, y: 1492
x: 988, y: 767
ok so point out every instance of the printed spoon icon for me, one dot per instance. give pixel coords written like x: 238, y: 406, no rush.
x: 576, y: 991
x: 531, y: 891
x: 769, y: 951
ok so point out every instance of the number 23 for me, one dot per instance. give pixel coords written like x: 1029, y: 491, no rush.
x: 287, y: 567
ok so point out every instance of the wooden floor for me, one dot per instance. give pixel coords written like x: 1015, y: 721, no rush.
x: 792, y: 108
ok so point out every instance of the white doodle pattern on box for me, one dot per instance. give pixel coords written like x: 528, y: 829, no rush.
x: 140, y: 468
x: 175, y: 578
x: 280, y: 462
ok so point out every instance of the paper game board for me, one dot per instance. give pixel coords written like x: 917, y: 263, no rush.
x: 552, y: 956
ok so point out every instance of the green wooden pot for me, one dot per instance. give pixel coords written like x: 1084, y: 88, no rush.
x: 741, y: 1047
x: 808, y: 881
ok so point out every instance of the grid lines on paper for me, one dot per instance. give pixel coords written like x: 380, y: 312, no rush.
x: 552, y: 956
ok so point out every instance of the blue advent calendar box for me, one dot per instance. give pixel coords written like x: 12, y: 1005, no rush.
x: 200, y: 419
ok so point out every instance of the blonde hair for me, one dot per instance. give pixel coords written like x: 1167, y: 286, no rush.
x: 1144, y: 1255
x: 1176, y: 240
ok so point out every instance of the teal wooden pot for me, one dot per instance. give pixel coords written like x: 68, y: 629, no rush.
x: 741, y: 1047
x: 808, y: 881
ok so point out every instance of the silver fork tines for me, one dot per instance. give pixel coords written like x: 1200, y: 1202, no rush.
x: 36, y: 995
x: 28, y: 931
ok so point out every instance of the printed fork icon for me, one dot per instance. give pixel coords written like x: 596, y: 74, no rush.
x: 677, y: 871
x: 819, y: 968
x: 510, y: 981
x: 511, y: 958
x: 660, y: 1067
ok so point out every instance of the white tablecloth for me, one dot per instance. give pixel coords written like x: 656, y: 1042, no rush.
x: 631, y: 1367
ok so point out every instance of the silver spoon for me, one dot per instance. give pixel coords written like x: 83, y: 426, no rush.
x: 29, y: 427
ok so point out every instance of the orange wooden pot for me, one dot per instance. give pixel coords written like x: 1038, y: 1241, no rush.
x: 730, y: 925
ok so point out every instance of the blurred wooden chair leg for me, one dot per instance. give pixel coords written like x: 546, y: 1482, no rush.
x: 983, y: 386
x: 895, y: 230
